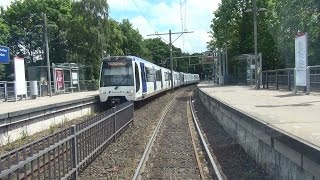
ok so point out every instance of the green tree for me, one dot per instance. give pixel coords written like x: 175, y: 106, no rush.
x: 133, y: 42
x: 232, y: 28
x: 159, y: 50
x: 23, y: 17
x: 4, y: 35
x: 87, y: 35
x: 289, y: 17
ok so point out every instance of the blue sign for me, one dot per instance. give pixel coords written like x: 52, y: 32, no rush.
x: 4, y: 54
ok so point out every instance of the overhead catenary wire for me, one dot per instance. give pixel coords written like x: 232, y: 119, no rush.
x: 181, y: 15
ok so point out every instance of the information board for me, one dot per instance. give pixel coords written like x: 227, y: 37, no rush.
x: 301, y: 58
x: 4, y: 55
x: 74, y: 77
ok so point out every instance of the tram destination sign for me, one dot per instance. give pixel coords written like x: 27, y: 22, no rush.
x: 4, y: 55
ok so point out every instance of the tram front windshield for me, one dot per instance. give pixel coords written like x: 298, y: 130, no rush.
x: 117, y: 73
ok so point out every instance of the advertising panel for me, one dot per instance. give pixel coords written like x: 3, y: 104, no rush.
x: 59, y: 80
x: 20, y: 77
x: 301, y: 58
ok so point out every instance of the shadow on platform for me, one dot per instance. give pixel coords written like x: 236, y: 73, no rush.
x: 288, y: 95
x: 286, y: 105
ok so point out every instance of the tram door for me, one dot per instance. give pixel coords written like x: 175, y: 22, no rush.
x: 143, y: 78
x: 161, y: 78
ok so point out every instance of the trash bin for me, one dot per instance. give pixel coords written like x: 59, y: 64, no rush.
x: 33, y: 89
x: 44, y: 90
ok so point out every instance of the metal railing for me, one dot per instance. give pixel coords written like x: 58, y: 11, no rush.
x: 63, y: 154
x: 278, y: 79
x: 284, y: 79
x: 7, y: 91
x: 313, y: 80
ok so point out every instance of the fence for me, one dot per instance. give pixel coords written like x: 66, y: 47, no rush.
x: 63, y: 154
x: 7, y: 88
x: 313, y: 72
x: 284, y: 79
x: 278, y: 79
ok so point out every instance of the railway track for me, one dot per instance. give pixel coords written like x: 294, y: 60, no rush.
x: 171, y: 152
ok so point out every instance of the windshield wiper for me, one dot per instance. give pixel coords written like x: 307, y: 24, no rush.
x: 128, y: 75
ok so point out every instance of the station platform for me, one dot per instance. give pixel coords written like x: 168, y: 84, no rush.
x: 297, y: 115
x: 36, y: 115
x: 22, y: 105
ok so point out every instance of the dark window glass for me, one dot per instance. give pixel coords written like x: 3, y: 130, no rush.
x: 151, y: 74
x: 158, y: 75
x: 117, y: 73
x: 137, y: 78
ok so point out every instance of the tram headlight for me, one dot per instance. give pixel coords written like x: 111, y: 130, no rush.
x: 130, y: 91
x: 103, y: 92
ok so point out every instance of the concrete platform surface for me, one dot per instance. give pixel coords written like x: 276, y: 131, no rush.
x: 7, y: 107
x: 297, y: 115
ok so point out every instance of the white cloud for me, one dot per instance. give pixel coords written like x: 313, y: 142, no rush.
x: 141, y: 23
x: 5, y: 3
x: 164, y: 16
x: 149, y: 17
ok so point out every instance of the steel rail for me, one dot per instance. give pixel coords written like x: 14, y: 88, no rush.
x: 214, y: 164
x: 193, y: 141
x: 146, y: 153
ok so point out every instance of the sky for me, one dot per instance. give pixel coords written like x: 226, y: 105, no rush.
x: 151, y: 16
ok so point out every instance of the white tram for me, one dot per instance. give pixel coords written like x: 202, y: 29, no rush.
x: 129, y: 78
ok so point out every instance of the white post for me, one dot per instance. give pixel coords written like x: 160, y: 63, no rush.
x: 308, y: 80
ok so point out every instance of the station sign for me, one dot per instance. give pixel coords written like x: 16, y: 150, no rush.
x: 4, y: 55
x: 209, y: 60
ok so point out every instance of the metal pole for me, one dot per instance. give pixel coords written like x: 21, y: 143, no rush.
x: 171, y: 60
x: 5, y: 91
x: 260, y: 71
x: 188, y: 66
x: 74, y: 152
x: 114, y: 124
x: 220, y: 66
x: 227, y: 72
x: 224, y: 65
x: 257, y: 77
x: 45, y: 30
x: 308, y: 81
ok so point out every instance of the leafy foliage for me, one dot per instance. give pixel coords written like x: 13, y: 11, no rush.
x: 232, y: 28
x: 79, y: 32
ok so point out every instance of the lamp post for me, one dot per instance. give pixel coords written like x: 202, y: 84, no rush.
x: 255, y: 10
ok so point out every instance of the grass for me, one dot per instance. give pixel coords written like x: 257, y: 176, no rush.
x: 23, y: 133
x: 251, y: 174
x: 26, y: 138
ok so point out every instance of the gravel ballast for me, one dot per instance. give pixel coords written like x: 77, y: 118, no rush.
x: 234, y: 161
x: 120, y: 159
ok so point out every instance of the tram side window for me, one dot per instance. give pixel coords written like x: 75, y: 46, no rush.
x: 158, y: 75
x: 151, y: 75
x: 166, y: 76
x: 137, y: 77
